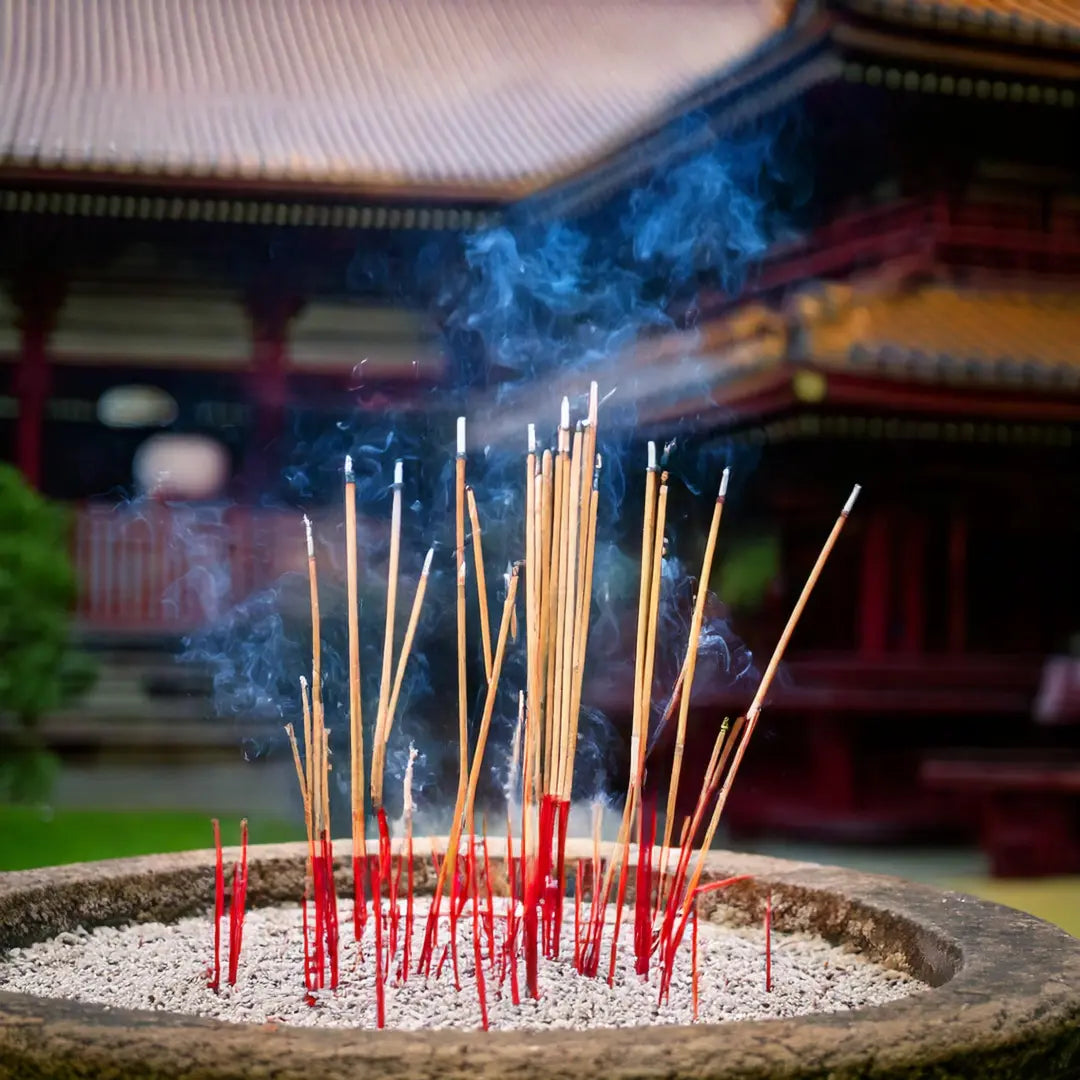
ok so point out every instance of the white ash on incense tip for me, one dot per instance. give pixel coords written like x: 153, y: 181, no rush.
x: 164, y: 968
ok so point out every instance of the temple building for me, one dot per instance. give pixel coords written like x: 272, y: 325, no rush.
x: 210, y: 206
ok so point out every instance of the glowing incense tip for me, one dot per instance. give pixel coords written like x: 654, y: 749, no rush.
x: 724, y: 483
x: 532, y: 438
x: 851, y: 500
x: 399, y: 472
x: 303, y: 683
x: 580, y: 426
x: 407, y: 804
x: 427, y: 562
x: 564, y: 413
x: 310, y: 537
x: 349, y: 477
x: 461, y: 436
x: 652, y: 455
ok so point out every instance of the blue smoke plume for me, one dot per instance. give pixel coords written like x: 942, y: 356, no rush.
x: 532, y: 298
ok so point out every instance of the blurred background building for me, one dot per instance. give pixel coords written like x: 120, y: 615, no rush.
x: 211, y: 218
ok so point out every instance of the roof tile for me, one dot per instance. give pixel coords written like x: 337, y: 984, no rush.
x: 467, y: 93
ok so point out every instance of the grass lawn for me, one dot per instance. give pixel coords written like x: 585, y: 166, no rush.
x: 31, y: 837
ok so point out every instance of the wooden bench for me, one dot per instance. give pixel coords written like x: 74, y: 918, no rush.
x: 1029, y: 808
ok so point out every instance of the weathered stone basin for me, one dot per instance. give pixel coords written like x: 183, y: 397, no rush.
x: 1005, y: 1000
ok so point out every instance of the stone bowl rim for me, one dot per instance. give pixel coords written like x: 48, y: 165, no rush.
x: 1001, y: 983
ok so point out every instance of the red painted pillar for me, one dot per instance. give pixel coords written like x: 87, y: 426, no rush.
x: 39, y: 305
x: 268, y: 389
x: 958, y: 548
x: 913, y: 569
x: 874, y: 588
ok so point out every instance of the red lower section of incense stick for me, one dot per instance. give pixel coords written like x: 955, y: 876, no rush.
x: 330, y: 914
x: 406, y: 948
x: 531, y: 927
x: 359, y: 876
x: 643, y: 889
x: 768, y: 942
x: 236, y: 910
x: 563, y: 812
x: 473, y: 881
x: 694, y: 963
x: 376, y: 914
x: 219, y: 905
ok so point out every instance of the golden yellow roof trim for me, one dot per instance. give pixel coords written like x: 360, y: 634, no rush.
x: 938, y: 331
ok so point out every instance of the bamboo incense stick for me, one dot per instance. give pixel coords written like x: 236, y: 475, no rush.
x: 459, y: 564
x: 489, y: 700
x: 557, y: 614
x: 465, y: 818
x: 531, y: 700
x: 388, y: 632
x: 644, y: 592
x: 356, y: 722
x: 546, y: 674
x: 309, y: 756
x: 570, y: 581
x: 754, y: 711
x: 581, y: 638
x: 481, y: 579
x: 689, y: 667
x: 315, y: 747
x: 655, y: 584
x: 378, y: 767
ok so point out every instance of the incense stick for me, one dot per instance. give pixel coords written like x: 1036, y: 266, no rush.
x: 356, y: 723
x: 481, y: 579
x: 406, y: 645
x: 314, y: 748
x: 388, y: 632
x: 459, y: 563
x: 689, y: 667
x: 754, y: 711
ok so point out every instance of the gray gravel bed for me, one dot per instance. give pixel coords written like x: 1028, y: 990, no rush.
x: 163, y: 967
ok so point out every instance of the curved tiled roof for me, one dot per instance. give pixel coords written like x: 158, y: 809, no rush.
x: 475, y: 96
x: 936, y: 331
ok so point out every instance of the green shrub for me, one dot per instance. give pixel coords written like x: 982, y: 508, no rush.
x: 39, y: 669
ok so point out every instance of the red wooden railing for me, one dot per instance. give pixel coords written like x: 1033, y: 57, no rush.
x: 169, y: 568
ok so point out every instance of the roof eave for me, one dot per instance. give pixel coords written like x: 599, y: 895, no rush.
x: 391, y: 189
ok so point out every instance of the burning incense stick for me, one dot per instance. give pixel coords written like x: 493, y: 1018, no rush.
x: 459, y: 562
x: 481, y: 579
x: 406, y: 651
x: 465, y: 818
x: 768, y: 942
x: 655, y: 583
x: 754, y: 712
x: 581, y: 638
x: 388, y: 634
x: 648, y: 528
x: 219, y: 905
x: 689, y: 668
x: 356, y: 722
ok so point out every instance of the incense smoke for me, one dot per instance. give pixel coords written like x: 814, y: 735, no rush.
x: 533, y: 298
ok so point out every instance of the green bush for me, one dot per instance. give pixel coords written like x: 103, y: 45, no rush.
x: 39, y: 669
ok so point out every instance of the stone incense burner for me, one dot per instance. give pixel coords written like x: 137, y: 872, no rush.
x: 1005, y: 997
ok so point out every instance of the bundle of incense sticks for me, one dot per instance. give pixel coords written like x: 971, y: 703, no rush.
x: 561, y: 511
